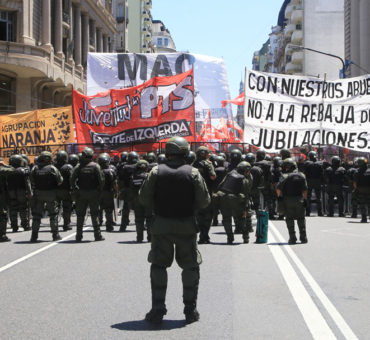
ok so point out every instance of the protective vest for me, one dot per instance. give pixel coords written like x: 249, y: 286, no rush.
x: 266, y: 168
x: 336, y: 175
x: 17, y: 179
x: 257, y: 175
x: 88, y: 177
x: 233, y: 183
x: 294, y: 186
x: 201, y: 165
x: 174, y: 192
x: 66, y: 171
x: 363, y: 178
x: 45, y: 178
x: 109, y: 176
x: 313, y: 170
x: 138, y: 179
x: 125, y: 173
x: 220, y: 175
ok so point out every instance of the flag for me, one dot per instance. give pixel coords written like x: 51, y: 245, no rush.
x: 239, y: 100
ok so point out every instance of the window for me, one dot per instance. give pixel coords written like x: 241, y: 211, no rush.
x: 165, y: 41
x: 7, y: 94
x: 159, y: 41
x: 7, y: 26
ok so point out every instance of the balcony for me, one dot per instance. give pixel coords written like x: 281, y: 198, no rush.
x: 289, y: 29
x: 296, y: 2
x: 289, y: 50
x: 297, y: 37
x: 291, y: 68
x: 297, y: 16
x: 148, y: 4
x: 145, y: 14
x: 288, y: 11
x: 297, y: 57
x: 120, y: 20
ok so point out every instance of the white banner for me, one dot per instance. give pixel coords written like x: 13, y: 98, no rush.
x: 114, y: 71
x: 283, y: 111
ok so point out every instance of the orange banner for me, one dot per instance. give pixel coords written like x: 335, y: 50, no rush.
x: 35, y: 131
x: 158, y: 109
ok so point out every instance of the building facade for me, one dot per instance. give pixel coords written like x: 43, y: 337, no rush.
x: 120, y: 13
x: 314, y: 24
x: 140, y: 26
x: 161, y: 38
x: 44, y: 46
x: 357, y: 37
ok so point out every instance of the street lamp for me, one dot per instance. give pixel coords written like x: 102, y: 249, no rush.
x: 345, y: 64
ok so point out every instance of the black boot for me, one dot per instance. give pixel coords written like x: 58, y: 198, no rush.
x: 291, y: 230
x: 155, y: 316
x: 364, y: 219
x: 302, y: 231
x: 98, y: 236
x: 230, y: 239
x: 354, y: 213
x: 139, y: 237
x: 80, y: 223
x: 56, y: 236
x: 4, y: 238
x: 34, y: 236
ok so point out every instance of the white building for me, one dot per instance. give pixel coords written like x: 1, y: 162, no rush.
x: 161, y: 38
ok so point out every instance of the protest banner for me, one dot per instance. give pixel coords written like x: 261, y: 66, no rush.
x: 154, y: 111
x: 35, y: 131
x: 107, y: 71
x: 283, y: 111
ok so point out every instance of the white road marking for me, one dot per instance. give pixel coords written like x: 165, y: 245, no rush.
x: 332, y: 311
x: 38, y: 251
x: 311, y: 314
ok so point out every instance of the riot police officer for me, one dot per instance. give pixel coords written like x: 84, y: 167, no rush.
x: 335, y: 178
x: 235, y: 159
x: 293, y: 189
x: 234, y: 192
x: 174, y: 227
x: 205, y: 215
x: 20, y: 192
x: 221, y: 172
x: 87, y: 183
x: 258, y: 181
x: 4, y: 172
x: 314, y: 175
x: 64, y: 197
x: 362, y: 185
x: 190, y: 158
x: 142, y: 213
x: 110, y: 190
x: 45, y: 179
x: 276, y: 174
x: 161, y: 159
x: 152, y: 160
x: 73, y: 159
x: 125, y: 172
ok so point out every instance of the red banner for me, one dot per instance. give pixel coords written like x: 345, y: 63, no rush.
x: 158, y: 109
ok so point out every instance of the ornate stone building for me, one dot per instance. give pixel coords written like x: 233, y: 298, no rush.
x: 44, y: 46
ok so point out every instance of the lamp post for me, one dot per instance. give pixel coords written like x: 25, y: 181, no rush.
x: 342, y: 73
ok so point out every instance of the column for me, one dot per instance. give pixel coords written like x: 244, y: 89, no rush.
x: 105, y: 43
x: 58, y: 47
x: 46, y: 28
x: 99, y: 44
x: 27, y: 23
x: 70, y: 33
x: 77, y: 36
x: 364, y: 19
x: 93, y: 34
x: 86, y: 38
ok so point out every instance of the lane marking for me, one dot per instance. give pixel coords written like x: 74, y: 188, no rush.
x: 38, y: 251
x: 311, y: 314
x: 332, y: 311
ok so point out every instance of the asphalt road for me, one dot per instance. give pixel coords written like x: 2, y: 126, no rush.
x: 101, y: 290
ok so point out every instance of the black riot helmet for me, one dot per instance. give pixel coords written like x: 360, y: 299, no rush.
x: 361, y: 162
x: 73, y: 159
x: 177, y: 146
x: 202, y: 152
x: 190, y: 158
x: 25, y: 158
x: 260, y: 155
x: 335, y: 161
x: 243, y: 167
x: 288, y: 165
x: 235, y: 156
x: 132, y: 157
x: 16, y: 161
x: 104, y: 160
x: 268, y: 158
x: 142, y: 165
x: 220, y: 161
x: 62, y: 157
x: 161, y: 159
x: 277, y: 161
x: 124, y: 155
x: 284, y: 154
x: 151, y: 157
x: 45, y: 157
x: 222, y: 155
x: 250, y: 158
x: 87, y: 153
x: 312, y: 156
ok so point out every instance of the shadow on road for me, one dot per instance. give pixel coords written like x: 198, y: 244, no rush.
x: 28, y: 242
x: 142, y: 325
x: 356, y: 222
x: 132, y: 242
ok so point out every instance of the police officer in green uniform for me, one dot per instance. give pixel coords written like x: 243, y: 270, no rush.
x: 234, y: 192
x: 87, y: 183
x: 293, y: 189
x: 110, y: 190
x: 19, y: 191
x: 45, y: 179
x: 176, y: 191
x: 5, y: 170
x: 206, y: 169
x: 141, y: 213
x: 362, y: 185
x: 64, y: 197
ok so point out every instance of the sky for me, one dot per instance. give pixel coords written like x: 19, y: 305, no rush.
x: 232, y: 30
